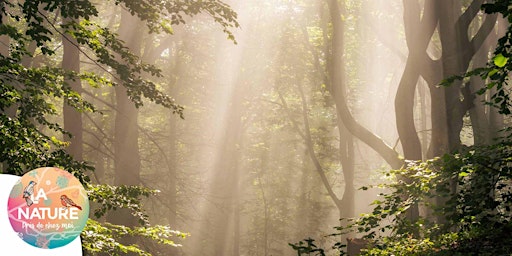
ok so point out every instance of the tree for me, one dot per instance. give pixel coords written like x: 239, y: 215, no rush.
x: 471, y: 203
x: 72, y: 118
x: 30, y: 94
x: 476, y: 216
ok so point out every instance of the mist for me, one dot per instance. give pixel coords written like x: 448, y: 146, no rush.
x: 262, y: 157
x: 278, y: 117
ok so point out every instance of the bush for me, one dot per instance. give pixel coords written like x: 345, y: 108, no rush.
x: 466, y: 198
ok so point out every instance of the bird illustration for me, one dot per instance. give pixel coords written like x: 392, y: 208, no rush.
x: 67, y: 202
x: 28, y: 191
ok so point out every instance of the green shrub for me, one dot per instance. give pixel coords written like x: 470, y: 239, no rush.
x: 466, y: 198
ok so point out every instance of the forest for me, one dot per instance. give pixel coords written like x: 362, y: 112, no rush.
x: 270, y: 127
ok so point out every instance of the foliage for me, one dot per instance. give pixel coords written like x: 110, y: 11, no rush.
x: 102, y: 237
x: 32, y: 94
x: 117, y: 197
x: 308, y: 247
x: 465, y: 197
x: 469, y: 196
x: 28, y: 97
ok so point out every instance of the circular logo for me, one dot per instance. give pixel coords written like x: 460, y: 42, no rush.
x: 48, y: 207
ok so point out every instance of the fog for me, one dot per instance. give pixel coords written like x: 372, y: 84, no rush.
x: 281, y: 110
x: 246, y: 183
x: 259, y: 160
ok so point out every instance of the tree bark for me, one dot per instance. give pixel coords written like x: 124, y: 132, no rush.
x: 338, y: 87
x: 73, y: 122
x: 418, y: 32
x: 457, y: 52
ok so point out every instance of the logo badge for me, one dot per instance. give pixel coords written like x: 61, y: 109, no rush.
x: 48, y: 207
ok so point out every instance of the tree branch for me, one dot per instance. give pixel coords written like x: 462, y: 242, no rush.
x: 468, y: 15
x: 337, y: 78
x: 309, y: 144
x: 478, y: 40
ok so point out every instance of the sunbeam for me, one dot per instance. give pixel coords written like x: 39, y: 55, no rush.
x: 265, y: 127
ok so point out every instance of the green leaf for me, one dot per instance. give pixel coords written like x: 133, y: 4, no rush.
x: 500, y: 60
x: 492, y: 72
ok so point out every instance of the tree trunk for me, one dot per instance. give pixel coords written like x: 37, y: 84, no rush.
x: 480, y: 123
x: 418, y: 33
x: 418, y: 30
x: 126, y: 148
x: 448, y: 109
x: 172, y: 158
x: 485, y: 120
x: 337, y: 77
x: 457, y: 52
x: 347, y: 164
x: 72, y: 118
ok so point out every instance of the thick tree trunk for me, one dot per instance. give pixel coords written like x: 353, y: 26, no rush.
x: 263, y: 168
x: 452, y: 41
x: 457, y: 52
x: 418, y: 30
x: 346, y: 145
x: 237, y: 194
x: 301, y: 227
x: 72, y: 118
x: 348, y: 165
x: 448, y: 109
x: 485, y: 120
x: 480, y: 123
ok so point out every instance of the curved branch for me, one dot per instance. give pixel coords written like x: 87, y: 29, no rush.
x: 311, y: 151
x: 478, y: 40
x: 417, y: 41
x: 337, y: 90
x: 468, y: 15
